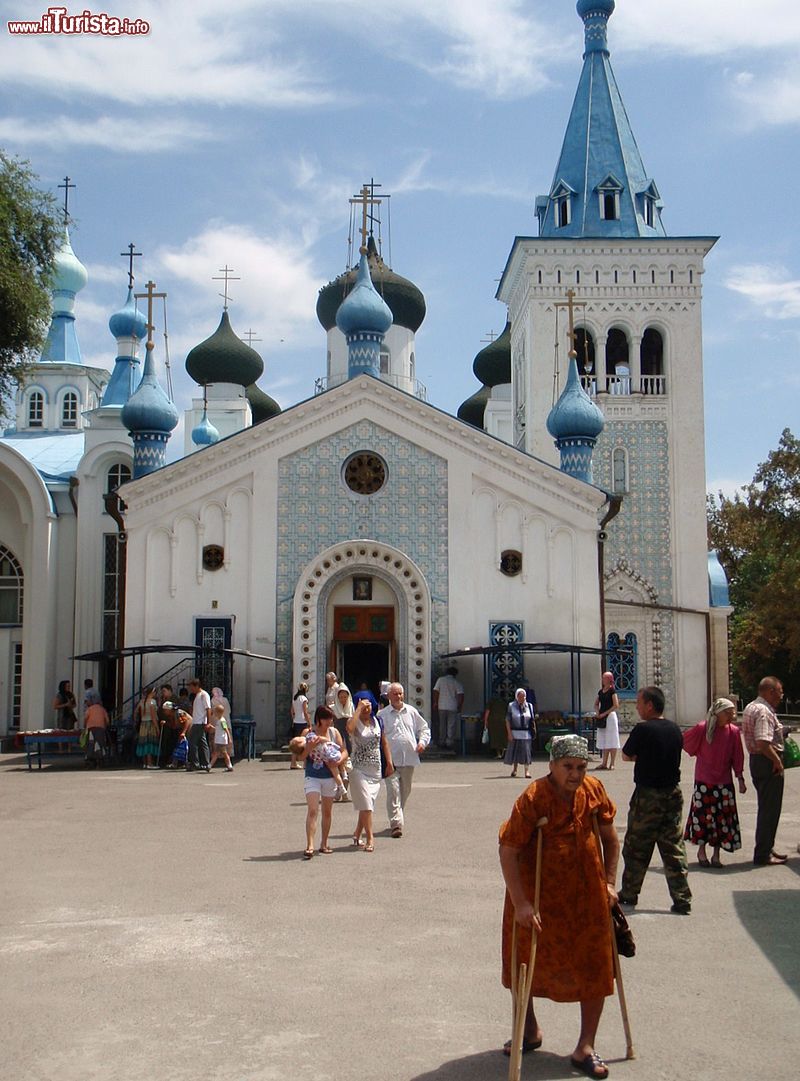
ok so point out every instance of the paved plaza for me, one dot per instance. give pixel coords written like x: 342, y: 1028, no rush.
x: 165, y: 926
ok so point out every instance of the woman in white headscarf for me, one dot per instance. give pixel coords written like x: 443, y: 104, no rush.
x: 713, y: 819
x: 521, y: 730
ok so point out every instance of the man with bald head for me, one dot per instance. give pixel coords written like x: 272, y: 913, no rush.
x: 763, y: 737
x: 408, y: 734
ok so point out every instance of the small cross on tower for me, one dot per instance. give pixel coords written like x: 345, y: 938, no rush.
x: 227, y: 275
x: 130, y: 255
x: 366, y: 198
x: 151, y: 295
x: 66, y: 186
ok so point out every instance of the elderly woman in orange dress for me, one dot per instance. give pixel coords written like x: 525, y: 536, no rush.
x: 574, y: 960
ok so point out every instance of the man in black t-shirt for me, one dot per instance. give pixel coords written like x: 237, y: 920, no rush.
x: 655, y: 816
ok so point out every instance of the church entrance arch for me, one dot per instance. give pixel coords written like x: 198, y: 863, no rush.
x: 360, y: 608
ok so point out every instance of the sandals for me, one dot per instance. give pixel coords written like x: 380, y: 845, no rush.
x: 704, y: 861
x: 358, y: 842
x: 309, y: 852
x: 527, y: 1045
x: 326, y: 851
x: 369, y: 848
x: 592, y: 1066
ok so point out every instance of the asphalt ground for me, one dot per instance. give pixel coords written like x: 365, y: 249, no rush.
x: 165, y: 926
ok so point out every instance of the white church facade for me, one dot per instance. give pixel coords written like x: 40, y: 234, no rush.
x: 366, y: 531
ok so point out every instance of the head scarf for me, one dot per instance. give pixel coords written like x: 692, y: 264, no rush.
x: 719, y: 706
x: 519, y: 691
x: 569, y: 747
x: 92, y: 697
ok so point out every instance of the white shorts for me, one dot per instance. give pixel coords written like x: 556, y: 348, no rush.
x: 323, y: 786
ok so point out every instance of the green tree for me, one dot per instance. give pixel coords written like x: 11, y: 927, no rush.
x: 757, y: 535
x: 31, y: 228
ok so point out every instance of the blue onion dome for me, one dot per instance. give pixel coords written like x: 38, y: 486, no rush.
x: 492, y: 366
x: 69, y: 275
x: 472, y: 410
x: 261, y: 405
x: 224, y: 358
x: 595, y: 7
x: 128, y: 322
x: 149, y: 409
x: 405, y: 300
x: 574, y: 415
x: 204, y: 433
x: 363, y: 309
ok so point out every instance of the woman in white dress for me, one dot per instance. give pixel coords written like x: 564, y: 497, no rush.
x: 606, y: 721
x: 367, y: 741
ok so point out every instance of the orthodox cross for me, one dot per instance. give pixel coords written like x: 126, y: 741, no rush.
x: 66, y: 186
x: 366, y: 198
x: 227, y: 276
x: 570, y: 305
x: 150, y: 295
x: 249, y: 336
x: 130, y: 255
x: 490, y: 336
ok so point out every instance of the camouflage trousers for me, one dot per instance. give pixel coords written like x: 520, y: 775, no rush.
x: 655, y: 817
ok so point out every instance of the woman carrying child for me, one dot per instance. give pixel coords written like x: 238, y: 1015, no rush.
x: 320, y: 785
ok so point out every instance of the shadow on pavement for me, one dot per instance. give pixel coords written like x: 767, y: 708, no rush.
x: 493, y: 1066
x: 771, y: 919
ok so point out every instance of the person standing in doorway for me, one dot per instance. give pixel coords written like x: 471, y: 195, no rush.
x: 655, y: 815
x: 763, y: 736
x: 448, y: 698
x: 408, y: 735
x: 201, y: 720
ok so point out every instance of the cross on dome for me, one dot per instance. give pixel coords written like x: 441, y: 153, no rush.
x: 227, y: 275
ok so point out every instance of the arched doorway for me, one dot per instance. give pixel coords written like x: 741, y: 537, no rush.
x: 363, y: 608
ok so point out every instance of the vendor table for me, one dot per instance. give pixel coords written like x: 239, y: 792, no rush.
x: 37, y: 742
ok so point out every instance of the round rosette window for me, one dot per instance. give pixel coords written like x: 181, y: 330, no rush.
x: 364, y: 472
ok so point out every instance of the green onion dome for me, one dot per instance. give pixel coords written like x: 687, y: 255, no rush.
x: 406, y: 302
x: 224, y: 358
x: 262, y: 406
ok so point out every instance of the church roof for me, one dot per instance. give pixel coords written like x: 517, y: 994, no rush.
x: 574, y: 416
x: 600, y: 187
x: 204, y: 434
x: 492, y: 365
x: 69, y: 277
x: 56, y: 457
x: 261, y: 405
x: 473, y: 409
x: 406, y: 302
x: 149, y: 409
x: 224, y: 358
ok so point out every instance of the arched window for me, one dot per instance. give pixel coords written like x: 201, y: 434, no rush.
x: 652, y: 359
x: 36, y: 409
x: 69, y: 410
x: 386, y: 357
x: 117, y: 475
x: 10, y: 588
x: 617, y: 362
x: 619, y: 470
x: 622, y: 662
x: 584, y: 347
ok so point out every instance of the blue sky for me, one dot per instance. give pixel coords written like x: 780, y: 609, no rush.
x: 235, y: 133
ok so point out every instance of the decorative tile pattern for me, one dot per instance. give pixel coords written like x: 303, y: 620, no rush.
x: 639, y: 539
x: 316, y: 510
x: 507, y: 668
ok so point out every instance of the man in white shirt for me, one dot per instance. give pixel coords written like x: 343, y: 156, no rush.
x: 448, y: 698
x: 408, y: 734
x: 201, y: 716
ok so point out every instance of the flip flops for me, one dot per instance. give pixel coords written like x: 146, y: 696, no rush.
x: 527, y: 1045
x: 592, y: 1066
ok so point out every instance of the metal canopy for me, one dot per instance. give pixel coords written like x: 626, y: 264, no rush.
x: 141, y: 651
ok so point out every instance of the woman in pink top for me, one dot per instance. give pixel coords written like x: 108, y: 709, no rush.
x: 717, y: 746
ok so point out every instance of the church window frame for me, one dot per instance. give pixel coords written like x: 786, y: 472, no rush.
x: 35, y: 409
x: 69, y: 409
x: 119, y: 473
x: 563, y: 211
x: 385, y: 361
x: 608, y: 194
x: 620, y: 480
x: 623, y: 663
x: 12, y: 582
x: 364, y: 473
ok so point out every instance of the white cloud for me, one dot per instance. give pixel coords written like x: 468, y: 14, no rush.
x: 770, y: 98
x: 110, y: 133
x: 710, y: 28
x: 278, y: 289
x: 729, y: 486
x: 770, y: 288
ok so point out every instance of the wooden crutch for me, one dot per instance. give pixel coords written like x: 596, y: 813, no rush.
x: 522, y: 980
x: 629, y: 1051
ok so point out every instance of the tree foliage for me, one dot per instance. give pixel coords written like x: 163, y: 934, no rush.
x: 31, y: 228
x: 757, y: 535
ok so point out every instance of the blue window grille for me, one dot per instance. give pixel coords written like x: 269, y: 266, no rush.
x: 622, y: 662
x: 507, y: 668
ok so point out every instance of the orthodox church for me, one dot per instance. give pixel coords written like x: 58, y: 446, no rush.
x: 366, y: 531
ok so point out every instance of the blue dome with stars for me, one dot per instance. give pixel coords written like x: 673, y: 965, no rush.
x: 363, y: 309
x: 575, y: 416
x: 128, y: 322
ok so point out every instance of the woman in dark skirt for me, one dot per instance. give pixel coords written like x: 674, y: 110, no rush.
x: 520, y: 729
x: 717, y: 746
